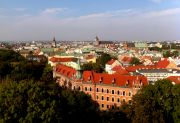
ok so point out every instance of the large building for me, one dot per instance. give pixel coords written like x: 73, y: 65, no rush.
x: 109, y: 90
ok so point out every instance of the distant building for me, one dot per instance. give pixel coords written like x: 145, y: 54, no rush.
x: 109, y: 90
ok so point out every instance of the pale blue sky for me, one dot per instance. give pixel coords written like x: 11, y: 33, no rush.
x: 84, y: 19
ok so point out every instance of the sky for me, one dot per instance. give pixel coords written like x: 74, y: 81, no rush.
x: 85, y: 19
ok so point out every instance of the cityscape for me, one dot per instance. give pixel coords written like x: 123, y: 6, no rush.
x: 105, y: 62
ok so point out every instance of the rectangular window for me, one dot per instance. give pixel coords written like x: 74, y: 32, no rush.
x: 118, y: 100
x: 102, y: 98
x: 102, y: 105
x: 107, y: 98
x: 112, y: 99
x: 107, y: 106
x: 124, y: 93
x: 97, y: 90
x: 118, y: 92
x: 85, y: 88
x: 112, y: 91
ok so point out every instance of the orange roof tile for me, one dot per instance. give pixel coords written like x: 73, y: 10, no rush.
x: 119, y: 80
x: 65, y: 70
x: 175, y: 79
x: 55, y: 59
x: 163, y: 63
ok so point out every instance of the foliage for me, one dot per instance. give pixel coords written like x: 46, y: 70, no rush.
x: 29, y: 101
x: 171, y: 54
x: 156, y: 103
x: 93, y: 66
x: 103, y: 59
x: 155, y: 49
x: 135, y: 61
x: 10, y: 56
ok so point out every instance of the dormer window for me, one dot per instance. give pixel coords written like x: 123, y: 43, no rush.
x: 127, y: 83
x: 101, y: 80
x: 113, y: 81
x: 89, y: 78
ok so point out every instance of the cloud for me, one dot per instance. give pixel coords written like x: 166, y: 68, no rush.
x: 130, y: 24
x: 53, y: 10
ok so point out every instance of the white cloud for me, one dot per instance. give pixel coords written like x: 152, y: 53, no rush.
x: 53, y: 10
x: 119, y: 25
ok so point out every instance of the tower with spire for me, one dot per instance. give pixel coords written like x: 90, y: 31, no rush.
x: 97, y: 40
x: 54, y: 42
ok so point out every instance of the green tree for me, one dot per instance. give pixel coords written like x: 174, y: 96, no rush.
x: 30, y: 101
x: 135, y: 61
x: 103, y: 59
x: 157, y: 103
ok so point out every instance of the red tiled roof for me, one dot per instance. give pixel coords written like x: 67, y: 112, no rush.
x: 134, y: 68
x: 119, y: 80
x: 55, y: 59
x: 120, y: 70
x: 65, y: 70
x: 126, y: 59
x: 163, y: 63
x: 175, y: 79
x: 116, y: 68
x: 111, y: 61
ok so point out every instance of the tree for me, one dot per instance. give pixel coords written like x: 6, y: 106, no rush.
x: 135, y: 61
x: 156, y: 103
x: 31, y: 101
x: 103, y: 59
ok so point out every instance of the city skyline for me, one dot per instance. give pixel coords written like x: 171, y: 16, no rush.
x: 83, y: 20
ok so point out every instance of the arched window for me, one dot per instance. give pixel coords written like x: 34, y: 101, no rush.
x: 118, y: 92
x: 90, y: 89
x: 102, y: 90
x: 107, y: 91
x: 85, y: 88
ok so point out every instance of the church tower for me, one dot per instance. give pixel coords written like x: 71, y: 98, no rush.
x: 78, y: 70
x: 97, y: 42
x: 54, y: 42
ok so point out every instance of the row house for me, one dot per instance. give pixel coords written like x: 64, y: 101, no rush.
x: 109, y: 90
x: 157, y: 74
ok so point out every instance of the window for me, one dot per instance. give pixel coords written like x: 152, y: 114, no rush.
x: 107, y: 91
x: 97, y: 97
x: 79, y: 88
x: 90, y: 89
x: 124, y: 93
x: 118, y: 100
x: 129, y: 93
x: 74, y: 88
x: 107, y: 106
x: 107, y: 98
x: 112, y: 91
x: 130, y: 101
x: 124, y: 100
x: 102, y: 90
x: 102, y: 105
x: 102, y: 98
x: 85, y: 88
x: 97, y: 90
x: 112, y: 99
x: 118, y: 92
